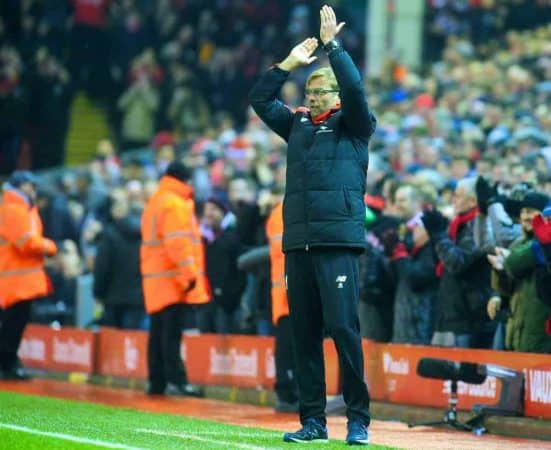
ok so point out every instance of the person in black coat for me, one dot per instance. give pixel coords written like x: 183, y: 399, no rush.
x: 417, y: 283
x: 465, y: 274
x: 117, y: 278
x: 227, y: 282
x: 323, y: 213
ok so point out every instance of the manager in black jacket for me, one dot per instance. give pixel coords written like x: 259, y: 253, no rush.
x: 323, y: 214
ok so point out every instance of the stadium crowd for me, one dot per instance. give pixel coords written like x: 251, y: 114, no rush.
x: 460, y: 163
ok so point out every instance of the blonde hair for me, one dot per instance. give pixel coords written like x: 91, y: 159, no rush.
x: 327, y: 74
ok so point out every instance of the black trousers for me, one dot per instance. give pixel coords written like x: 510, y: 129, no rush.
x: 285, y: 384
x: 163, y: 351
x: 323, y: 292
x: 13, y: 321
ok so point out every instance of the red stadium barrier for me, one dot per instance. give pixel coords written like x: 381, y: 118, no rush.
x: 392, y: 376
x: 248, y: 361
x: 64, y: 350
x: 243, y: 361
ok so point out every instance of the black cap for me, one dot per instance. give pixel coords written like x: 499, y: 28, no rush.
x: 535, y: 200
x: 20, y: 177
x: 178, y: 170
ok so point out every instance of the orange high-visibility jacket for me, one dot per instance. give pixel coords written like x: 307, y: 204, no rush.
x: 22, y: 251
x: 169, y: 255
x: 274, y: 231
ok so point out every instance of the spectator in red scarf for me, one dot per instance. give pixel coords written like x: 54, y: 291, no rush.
x: 464, y: 274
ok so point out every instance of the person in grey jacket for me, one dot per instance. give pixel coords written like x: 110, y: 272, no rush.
x: 323, y: 213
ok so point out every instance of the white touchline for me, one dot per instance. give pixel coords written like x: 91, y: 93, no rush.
x: 69, y: 437
x: 201, y: 439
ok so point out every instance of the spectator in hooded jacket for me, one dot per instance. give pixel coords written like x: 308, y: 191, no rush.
x: 22, y: 275
x: 514, y: 276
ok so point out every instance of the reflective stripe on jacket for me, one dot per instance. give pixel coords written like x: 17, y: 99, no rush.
x: 22, y: 251
x: 169, y: 259
x: 274, y: 231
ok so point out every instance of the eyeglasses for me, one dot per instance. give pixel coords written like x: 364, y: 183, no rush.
x: 319, y: 92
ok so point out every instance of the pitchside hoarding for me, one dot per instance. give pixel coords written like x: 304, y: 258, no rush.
x: 64, y: 350
x: 248, y: 361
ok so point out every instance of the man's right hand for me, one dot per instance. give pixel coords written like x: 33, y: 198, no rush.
x: 493, y: 306
x: 486, y: 194
x: 301, y: 55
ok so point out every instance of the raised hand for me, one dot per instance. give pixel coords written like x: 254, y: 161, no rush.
x: 328, y: 24
x: 434, y: 222
x: 542, y: 229
x: 301, y: 55
x: 486, y: 194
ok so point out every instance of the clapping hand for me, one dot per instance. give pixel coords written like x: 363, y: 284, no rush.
x: 434, y: 222
x: 498, y: 260
x: 328, y: 24
x: 486, y: 194
x: 301, y: 55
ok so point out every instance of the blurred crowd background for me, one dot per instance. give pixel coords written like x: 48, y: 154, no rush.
x: 172, y: 78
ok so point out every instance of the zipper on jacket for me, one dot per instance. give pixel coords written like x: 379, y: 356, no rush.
x: 347, y: 200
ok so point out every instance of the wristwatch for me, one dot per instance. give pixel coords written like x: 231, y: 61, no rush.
x: 331, y: 45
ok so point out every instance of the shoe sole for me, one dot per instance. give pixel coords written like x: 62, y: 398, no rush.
x: 300, y: 441
x: 358, y: 442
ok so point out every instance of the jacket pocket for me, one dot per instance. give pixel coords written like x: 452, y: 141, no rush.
x: 347, y: 201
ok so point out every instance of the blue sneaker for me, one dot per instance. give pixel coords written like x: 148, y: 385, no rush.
x: 357, y: 433
x: 311, y: 431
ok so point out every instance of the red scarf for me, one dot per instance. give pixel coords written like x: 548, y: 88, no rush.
x: 326, y: 114
x: 457, y: 222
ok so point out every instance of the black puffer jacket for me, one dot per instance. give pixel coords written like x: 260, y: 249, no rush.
x: 117, y: 277
x: 326, y: 162
x: 465, y: 284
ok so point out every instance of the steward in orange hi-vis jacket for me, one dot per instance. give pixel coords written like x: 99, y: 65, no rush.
x: 171, y: 259
x: 285, y: 384
x: 274, y: 232
x: 22, y: 275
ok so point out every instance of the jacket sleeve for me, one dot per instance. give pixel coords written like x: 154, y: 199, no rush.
x: 177, y: 236
x: 420, y: 272
x: 483, y: 233
x: 263, y: 98
x: 18, y: 231
x: 457, y: 257
x: 357, y: 116
x: 502, y: 283
x: 102, y: 267
x: 504, y: 229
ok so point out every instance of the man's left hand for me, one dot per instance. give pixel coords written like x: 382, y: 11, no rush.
x: 328, y: 24
x: 434, y: 222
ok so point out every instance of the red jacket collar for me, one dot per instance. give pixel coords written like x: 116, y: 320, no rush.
x: 325, y: 115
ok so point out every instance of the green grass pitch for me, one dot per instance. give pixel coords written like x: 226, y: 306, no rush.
x: 29, y: 422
